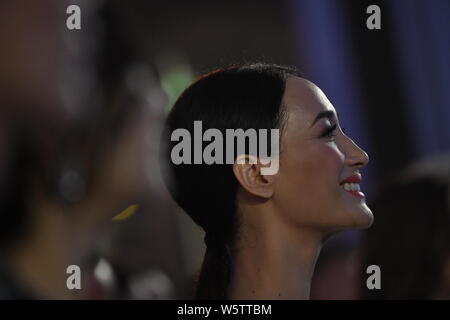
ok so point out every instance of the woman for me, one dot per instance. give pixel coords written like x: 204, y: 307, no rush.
x: 264, y: 232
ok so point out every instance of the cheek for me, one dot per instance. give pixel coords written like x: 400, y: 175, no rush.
x: 318, y: 166
x: 322, y: 168
x: 330, y: 160
x: 332, y: 167
x: 309, y: 181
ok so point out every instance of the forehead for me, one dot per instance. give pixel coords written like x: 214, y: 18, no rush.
x: 304, y: 100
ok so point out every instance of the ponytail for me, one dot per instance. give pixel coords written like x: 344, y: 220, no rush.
x: 215, y: 273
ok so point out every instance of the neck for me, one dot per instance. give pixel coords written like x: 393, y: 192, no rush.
x: 275, y: 264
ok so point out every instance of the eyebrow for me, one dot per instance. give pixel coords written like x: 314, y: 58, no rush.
x: 324, y: 114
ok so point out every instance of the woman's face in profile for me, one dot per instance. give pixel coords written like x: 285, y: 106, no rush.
x: 316, y: 157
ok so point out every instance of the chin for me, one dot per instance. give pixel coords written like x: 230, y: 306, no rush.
x: 357, y: 219
x: 363, y: 218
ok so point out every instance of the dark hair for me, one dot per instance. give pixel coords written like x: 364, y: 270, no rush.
x: 236, y: 97
x: 410, y: 237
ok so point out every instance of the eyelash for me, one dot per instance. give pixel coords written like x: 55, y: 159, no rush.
x: 329, y: 132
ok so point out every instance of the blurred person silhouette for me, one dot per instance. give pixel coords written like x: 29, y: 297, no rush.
x: 410, y: 238
x: 63, y: 178
x: 31, y: 61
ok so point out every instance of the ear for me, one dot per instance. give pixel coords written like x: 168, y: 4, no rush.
x: 247, y: 170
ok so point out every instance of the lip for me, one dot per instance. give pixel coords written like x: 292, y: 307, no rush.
x: 354, y: 178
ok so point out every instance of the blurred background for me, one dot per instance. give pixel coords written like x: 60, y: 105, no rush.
x: 81, y: 110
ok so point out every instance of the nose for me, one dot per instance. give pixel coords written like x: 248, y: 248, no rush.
x: 354, y: 155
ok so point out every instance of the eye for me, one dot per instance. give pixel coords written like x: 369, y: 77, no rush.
x: 329, y: 133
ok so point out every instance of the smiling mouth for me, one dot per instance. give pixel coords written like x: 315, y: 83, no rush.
x: 351, y: 185
x: 353, y: 188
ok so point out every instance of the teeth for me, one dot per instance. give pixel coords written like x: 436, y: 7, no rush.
x: 351, y: 186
